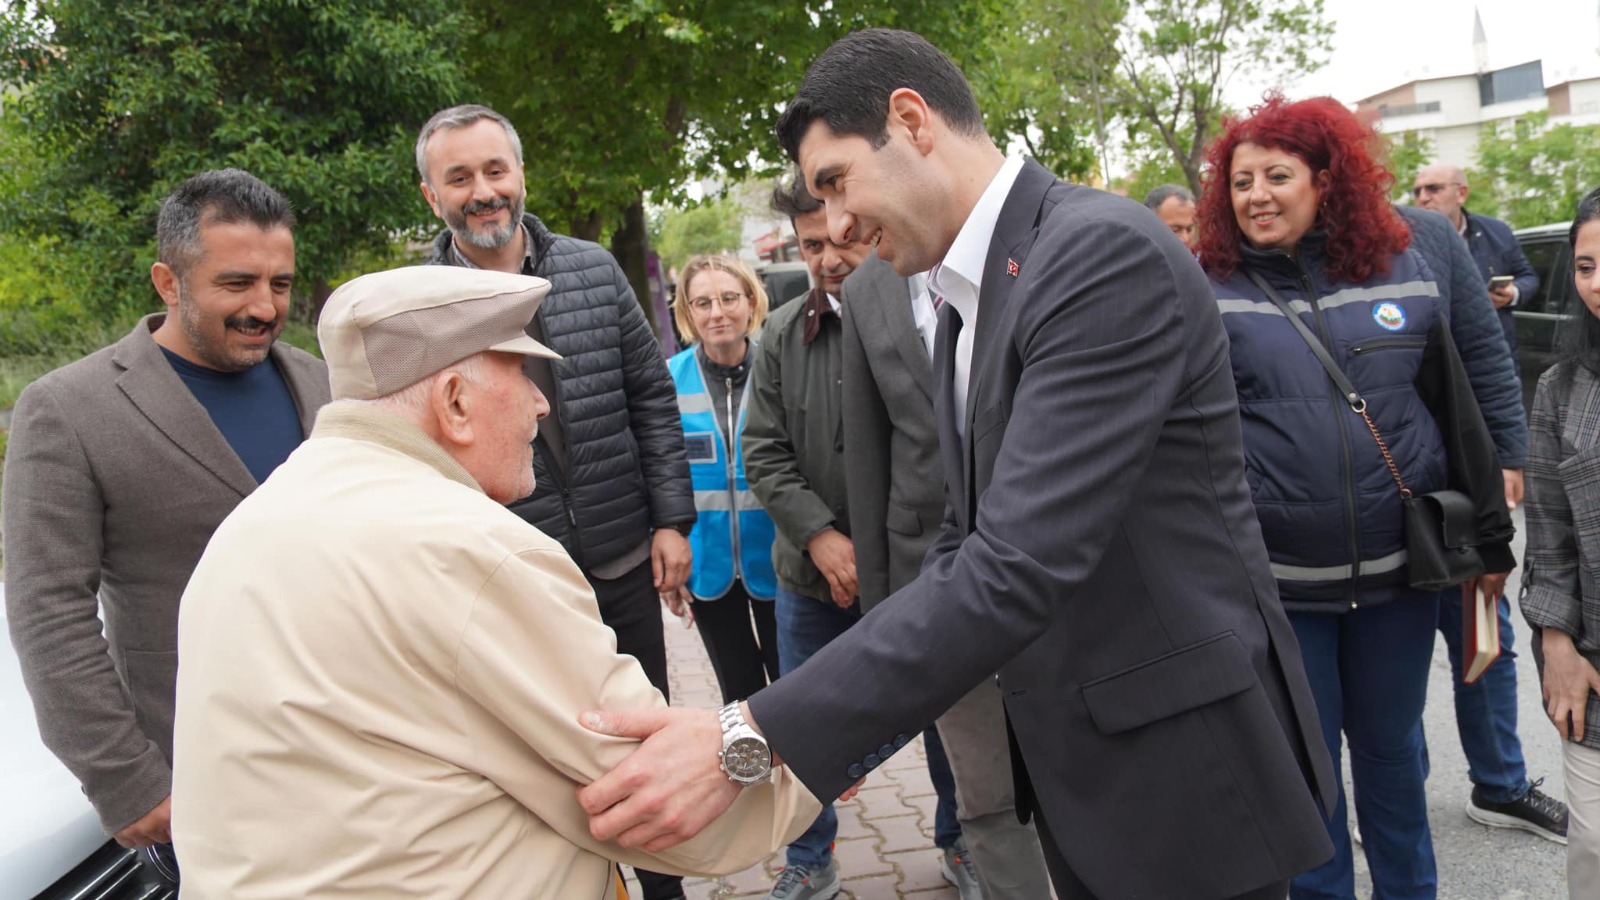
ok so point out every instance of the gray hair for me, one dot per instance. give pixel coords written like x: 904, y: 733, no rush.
x: 411, y: 401
x: 1162, y: 194
x: 460, y: 117
x: 218, y: 197
x: 792, y: 200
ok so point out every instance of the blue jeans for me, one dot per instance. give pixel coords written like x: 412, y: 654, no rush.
x: 1368, y: 670
x: 804, y: 627
x: 1486, y: 712
x: 946, y: 827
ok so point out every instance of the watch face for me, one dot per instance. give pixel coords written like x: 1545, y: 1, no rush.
x: 747, y: 758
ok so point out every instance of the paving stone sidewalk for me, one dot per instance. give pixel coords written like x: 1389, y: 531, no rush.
x: 885, y: 846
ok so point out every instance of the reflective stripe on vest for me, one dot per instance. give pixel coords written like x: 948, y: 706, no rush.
x: 733, y: 535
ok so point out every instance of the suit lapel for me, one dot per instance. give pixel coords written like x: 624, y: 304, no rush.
x: 155, y: 389
x: 1014, y: 233
x: 308, y: 385
x: 893, y: 295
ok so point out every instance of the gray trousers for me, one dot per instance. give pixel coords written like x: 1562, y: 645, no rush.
x: 1007, y: 854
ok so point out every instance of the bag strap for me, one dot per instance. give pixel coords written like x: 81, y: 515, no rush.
x: 1358, y: 404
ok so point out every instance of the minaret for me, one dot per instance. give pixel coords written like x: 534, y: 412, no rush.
x: 1480, y: 42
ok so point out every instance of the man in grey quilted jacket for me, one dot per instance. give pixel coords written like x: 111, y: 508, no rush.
x: 612, y: 478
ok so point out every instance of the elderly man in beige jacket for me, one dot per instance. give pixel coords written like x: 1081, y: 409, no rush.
x: 382, y: 668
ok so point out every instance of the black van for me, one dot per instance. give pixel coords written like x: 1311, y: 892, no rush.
x: 1539, y: 318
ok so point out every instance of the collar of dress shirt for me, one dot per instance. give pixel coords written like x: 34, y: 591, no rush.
x: 959, y: 276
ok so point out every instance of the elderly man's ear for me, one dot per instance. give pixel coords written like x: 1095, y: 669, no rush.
x: 452, y: 403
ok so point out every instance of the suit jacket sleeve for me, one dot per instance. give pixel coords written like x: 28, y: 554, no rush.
x: 771, y: 463
x: 1552, y: 594
x: 866, y: 451
x: 653, y: 414
x: 534, y: 655
x: 53, y: 529
x: 1102, y: 344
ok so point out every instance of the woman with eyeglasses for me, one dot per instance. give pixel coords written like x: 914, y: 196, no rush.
x: 718, y: 305
x: 1296, y: 222
x: 1561, y: 583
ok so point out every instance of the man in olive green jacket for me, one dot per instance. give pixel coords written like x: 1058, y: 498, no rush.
x: 794, y: 460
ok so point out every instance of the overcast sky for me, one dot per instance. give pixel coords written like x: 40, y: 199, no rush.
x: 1379, y: 44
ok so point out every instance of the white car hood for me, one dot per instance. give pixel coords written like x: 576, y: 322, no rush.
x: 56, y: 827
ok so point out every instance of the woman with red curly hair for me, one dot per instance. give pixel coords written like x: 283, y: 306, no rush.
x: 1296, y: 222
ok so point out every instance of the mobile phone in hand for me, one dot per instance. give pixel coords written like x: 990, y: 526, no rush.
x: 1499, y: 281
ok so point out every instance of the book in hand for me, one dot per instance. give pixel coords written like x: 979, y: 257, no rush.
x: 1480, y: 626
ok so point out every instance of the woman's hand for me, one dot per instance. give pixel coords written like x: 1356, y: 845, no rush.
x: 679, y: 603
x: 1568, y: 679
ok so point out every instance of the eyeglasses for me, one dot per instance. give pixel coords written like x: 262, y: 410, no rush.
x: 728, y: 300
x: 1431, y: 189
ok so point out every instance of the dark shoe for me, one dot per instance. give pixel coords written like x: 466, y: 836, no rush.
x: 1536, y: 813
x: 800, y: 883
x: 956, y: 866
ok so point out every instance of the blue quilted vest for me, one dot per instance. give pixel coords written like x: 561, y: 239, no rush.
x: 732, y: 538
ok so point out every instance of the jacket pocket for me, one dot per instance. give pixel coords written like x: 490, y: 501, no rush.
x: 1398, y: 342
x: 902, y: 519
x: 1184, y: 679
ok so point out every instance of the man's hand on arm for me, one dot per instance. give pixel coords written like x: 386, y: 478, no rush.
x: 671, y: 560
x: 670, y: 788
x: 835, y: 556
x: 154, y: 828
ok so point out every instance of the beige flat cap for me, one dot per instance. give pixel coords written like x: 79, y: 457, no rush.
x: 388, y: 330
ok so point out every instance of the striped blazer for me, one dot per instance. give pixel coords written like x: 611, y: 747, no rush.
x: 1561, y: 579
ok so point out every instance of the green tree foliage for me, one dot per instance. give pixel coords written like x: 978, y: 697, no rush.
x: 1154, y: 69
x: 714, y: 226
x: 616, y: 101
x: 123, y: 99
x: 1533, y: 174
x: 1408, y: 154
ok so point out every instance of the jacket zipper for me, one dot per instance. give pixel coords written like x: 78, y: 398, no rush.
x: 733, y: 481
x: 1339, y: 406
x: 1393, y: 343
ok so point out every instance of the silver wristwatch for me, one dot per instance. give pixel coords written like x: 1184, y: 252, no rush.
x: 745, y: 755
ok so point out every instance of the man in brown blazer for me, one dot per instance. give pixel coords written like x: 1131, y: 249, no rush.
x: 120, y: 467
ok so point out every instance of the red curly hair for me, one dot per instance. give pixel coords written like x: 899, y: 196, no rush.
x: 1363, y: 229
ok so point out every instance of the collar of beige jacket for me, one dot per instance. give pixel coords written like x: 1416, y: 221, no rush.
x: 363, y: 423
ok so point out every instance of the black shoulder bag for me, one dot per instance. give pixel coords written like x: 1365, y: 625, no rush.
x: 1441, y: 527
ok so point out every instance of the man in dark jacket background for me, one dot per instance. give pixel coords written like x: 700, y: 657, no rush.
x: 1486, y: 711
x: 1443, y: 189
x: 612, y: 478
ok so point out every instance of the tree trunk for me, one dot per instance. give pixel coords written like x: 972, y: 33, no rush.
x: 630, y: 244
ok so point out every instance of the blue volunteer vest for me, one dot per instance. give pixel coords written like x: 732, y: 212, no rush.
x: 733, y: 535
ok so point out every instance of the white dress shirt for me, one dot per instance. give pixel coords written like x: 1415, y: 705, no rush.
x: 959, y: 276
x: 923, y: 312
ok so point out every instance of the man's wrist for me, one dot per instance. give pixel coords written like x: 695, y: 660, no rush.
x: 682, y: 528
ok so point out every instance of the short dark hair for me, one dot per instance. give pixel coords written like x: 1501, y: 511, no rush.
x: 217, y: 197
x: 791, y: 199
x: 848, y: 88
x: 1162, y: 194
x: 1580, y: 336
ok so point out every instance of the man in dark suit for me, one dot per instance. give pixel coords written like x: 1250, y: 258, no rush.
x: 120, y: 467
x: 1099, y: 544
x: 895, y: 494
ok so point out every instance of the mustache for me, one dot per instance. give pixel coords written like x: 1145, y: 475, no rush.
x: 249, y: 322
x: 478, y: 207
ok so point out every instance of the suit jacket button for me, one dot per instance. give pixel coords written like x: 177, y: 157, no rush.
x: 886, y: 751
x: 901, y: 740
x: 871, y: 761
x: 855, y: 770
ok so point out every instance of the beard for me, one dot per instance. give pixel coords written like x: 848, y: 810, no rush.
x: 215, y: 352
x: 492, y: 237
